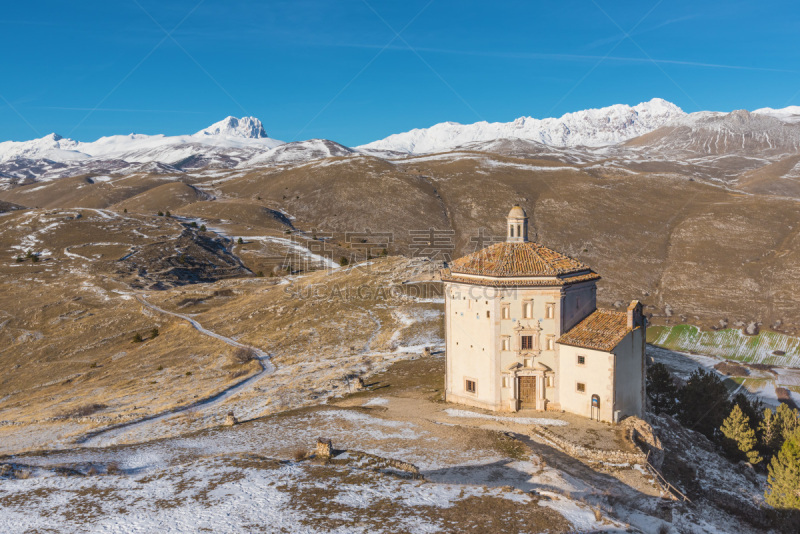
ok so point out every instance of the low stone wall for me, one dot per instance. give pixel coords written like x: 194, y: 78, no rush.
x: 363, y: 460
x: 588, y: 453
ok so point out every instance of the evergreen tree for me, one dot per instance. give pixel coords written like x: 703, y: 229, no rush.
x: 343, y: 261
x: 787, y: 420
x: 740, y: 438
x: 703, y: 403
x: 770, y: 432
x: 661, y: 389
x: 783, y: 481
x: 753, y: 409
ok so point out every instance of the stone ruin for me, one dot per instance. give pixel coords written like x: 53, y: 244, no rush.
x: 324, y: 448
x: 230, y: 419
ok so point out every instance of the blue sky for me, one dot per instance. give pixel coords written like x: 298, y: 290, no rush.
x: 355, y: 70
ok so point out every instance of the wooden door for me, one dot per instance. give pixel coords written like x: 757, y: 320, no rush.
x: 527, y: 390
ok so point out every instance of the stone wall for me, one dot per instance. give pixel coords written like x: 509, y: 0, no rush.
x: 589, y: 453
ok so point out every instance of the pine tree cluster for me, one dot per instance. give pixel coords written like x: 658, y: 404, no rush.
x: 742, y: 427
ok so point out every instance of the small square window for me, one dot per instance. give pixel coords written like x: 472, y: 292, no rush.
x: 550, y: 311
x: 581, y: 387
x: 551, y: 343
x: 581, y: 360
x: 506, y: 343
x: 471, y: 386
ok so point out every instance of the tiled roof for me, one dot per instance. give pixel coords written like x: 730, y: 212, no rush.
x: 602, y: 330
x: 449, y: 276
x: 517, y: 259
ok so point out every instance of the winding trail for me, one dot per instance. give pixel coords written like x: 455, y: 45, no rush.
x: 106, y: 435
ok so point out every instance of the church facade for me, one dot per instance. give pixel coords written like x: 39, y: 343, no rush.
x: 522, y: 331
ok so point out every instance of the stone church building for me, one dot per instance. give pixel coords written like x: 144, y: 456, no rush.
x: 522, y: 330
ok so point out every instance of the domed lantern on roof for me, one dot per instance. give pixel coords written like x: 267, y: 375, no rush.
x: 517, y: 225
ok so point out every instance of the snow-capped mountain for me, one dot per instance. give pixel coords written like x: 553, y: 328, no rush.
x: 591, y: 127
x: 740, y: 132
x: 651, y: 130
x: 299, y: 151
x: 231, y: 134
x: 246, y: 127
x: 787, y: 114
x: 52, y: 147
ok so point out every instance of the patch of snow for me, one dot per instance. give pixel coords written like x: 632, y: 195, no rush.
x: 377, y: 401
x: 452, y: 412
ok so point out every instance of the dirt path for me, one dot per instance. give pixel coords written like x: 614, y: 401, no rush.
x: 107, y: 436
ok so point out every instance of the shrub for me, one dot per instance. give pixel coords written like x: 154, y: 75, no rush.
x: 243, y: 355
x: 202, y: 227
x: 193, y: 224
x: 299, y: 455
x: 160, y: 368
x: 240, y: 241
x: 168, y: 214
x: 188, y: 373
x: 160, y: 213
x: 344, y: 261
x: 260, y: 274
x: 125, y: 210
x: 86, y: 410
x: 137, y: 338
x: 153, y: 333
x: 93, y: 365
x: 34, y: 258
x: 20, y: 259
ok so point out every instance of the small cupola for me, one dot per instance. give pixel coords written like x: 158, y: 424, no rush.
x: 517, y: 231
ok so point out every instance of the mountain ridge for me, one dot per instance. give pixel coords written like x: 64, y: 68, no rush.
x: 591, y: 127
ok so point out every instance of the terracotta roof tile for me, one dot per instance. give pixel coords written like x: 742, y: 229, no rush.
x: 517, y: 259
x: 449, y: 276
x: 602, y: 330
